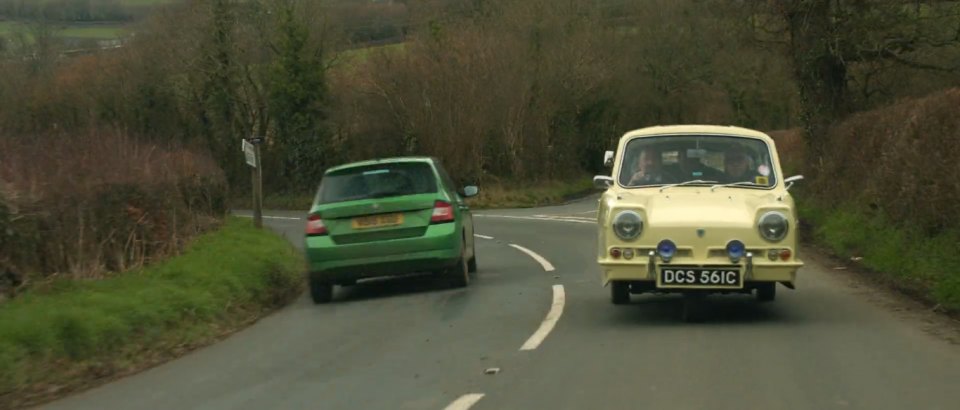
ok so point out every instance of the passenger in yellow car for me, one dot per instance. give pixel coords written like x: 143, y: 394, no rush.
x: 648, y: 168
x: 737, y: 167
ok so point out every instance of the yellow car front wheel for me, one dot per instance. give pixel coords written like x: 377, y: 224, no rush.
x: 767, y: 292
x: 620, y: 292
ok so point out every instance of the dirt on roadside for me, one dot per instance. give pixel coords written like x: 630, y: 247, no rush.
x: 905, y: 303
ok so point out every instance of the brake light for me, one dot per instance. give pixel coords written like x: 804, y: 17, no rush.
x: 442, y: 212
x: 315, y: 226
x: 785, y: 254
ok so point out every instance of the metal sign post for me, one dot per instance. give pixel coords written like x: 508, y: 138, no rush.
x: 251, y: 150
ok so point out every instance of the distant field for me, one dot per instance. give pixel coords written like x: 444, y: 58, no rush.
x: 137, y: 2
x: 359, y: 55
x: 147, y: 2
x: 85, y: 31
x: 93, y: 32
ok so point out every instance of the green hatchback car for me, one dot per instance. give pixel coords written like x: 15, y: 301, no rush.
x: 388, y: 217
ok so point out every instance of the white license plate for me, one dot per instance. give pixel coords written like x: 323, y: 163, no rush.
x: 700, y: 277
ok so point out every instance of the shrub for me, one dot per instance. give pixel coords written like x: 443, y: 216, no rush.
x: 98, y: 203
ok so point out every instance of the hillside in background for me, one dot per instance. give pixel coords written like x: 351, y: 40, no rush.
x: 72, y: 24
x: 121, y: 124
x: 505, y: 92
x: 501, y: 90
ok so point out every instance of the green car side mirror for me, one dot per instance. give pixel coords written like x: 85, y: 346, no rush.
x: 470, y: 190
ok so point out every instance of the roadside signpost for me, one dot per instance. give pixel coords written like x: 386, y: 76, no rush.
x: 251, y: 152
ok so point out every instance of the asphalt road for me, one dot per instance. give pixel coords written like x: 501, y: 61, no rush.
x: 547, y: 330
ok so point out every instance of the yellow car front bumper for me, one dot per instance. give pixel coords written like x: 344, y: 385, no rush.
x: 648, y: 269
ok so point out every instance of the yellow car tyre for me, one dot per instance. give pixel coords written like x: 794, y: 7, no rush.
x: 767, y: 292
x: 620, y: 293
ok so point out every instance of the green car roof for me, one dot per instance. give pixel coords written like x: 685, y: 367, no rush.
x: 380, y: 161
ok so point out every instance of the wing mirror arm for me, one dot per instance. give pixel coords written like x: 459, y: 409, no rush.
x: 602, y: 182
x: 790, y: 181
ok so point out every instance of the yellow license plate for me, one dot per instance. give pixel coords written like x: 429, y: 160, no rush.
x: 377, y: 221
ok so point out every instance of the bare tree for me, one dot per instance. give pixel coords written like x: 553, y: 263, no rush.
x: 829, y: 41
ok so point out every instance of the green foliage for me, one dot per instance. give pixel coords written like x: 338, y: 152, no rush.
x: 524, y: 90
x: 222, y: 278
x: 218, y: 87
x: 901, y: 160
x: 106, y: 204
x: 899, y: 253
x: 297, y: 97
x: 524, y: 194
x: 888, y: 194
x: 879, y: 49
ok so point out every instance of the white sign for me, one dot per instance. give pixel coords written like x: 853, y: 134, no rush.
x: 249, y: 152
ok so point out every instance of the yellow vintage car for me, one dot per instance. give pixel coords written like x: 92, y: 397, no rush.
x: 696, y: 209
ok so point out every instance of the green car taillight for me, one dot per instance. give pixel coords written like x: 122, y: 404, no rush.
x: 442, y: 212
x: 315, y: 226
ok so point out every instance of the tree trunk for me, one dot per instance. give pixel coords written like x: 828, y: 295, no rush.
x: 820, y: 71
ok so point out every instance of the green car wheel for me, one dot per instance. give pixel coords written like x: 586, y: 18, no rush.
x: 320, y: 292
x: 459, y: 274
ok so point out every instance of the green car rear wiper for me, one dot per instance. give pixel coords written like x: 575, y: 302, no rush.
x: 695, y: 181
x: 385, y: 194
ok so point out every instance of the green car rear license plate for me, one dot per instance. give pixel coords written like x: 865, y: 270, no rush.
x: 377, y: 221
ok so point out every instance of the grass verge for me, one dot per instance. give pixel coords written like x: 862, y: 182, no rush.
x: 284, y: 202
x: 492, y: 196
x: 924, y: 267
x: 67, y: 335
x: 527, y: 195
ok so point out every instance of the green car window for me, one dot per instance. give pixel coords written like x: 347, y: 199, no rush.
x: 445, y: 177
x: 377, y: 181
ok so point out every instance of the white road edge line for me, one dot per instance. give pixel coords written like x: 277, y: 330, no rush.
x: 540, y: 259
x: 482, y: 236
x: 272, y: 217
x: 559, y: 298
x: 582, y: 218
x: 576, y: 218
x: 465, y: 402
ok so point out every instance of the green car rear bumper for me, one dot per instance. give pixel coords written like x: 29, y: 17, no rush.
x: 437, y: 249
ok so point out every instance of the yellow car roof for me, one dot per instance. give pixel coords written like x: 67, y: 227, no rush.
x: 697, y: 129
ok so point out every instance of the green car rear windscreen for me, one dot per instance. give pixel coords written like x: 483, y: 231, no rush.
x: 377, y: 181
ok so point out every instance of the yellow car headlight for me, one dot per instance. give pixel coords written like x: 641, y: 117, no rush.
x: 627, y: 225
x: 773, y: 226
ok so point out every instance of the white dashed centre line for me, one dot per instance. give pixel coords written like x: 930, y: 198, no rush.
x: 534, y: 218
x: 482, y: 236
x: 465, y: 402
x: 543, y: 262
x: 559, y: 298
